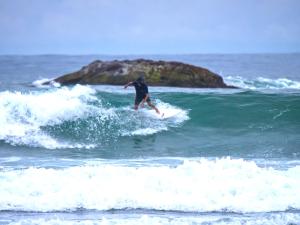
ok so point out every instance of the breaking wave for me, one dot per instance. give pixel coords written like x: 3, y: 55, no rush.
x: 262, y: 83
x: 75, y: 117
x: 190, y: 185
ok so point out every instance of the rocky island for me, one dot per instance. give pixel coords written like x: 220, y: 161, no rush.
x: 156, y: 73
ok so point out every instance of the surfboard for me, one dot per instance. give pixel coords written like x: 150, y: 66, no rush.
x: 166, y: 114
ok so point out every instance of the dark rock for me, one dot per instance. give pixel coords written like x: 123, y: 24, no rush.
x: 156, y: 73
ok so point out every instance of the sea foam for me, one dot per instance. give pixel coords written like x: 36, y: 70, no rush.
x: 222, y: 185
x: 49, y: 83
x: 152, y: 122
x: 261, y: 83
x: 23, y: 114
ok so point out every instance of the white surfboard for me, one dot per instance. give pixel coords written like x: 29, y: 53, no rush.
x: 164, y: 114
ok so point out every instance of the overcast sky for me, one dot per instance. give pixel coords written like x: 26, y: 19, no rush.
x: 149, y: 26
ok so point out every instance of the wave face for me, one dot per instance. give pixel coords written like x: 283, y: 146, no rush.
x: 74, y: 117
x: 222, y: 185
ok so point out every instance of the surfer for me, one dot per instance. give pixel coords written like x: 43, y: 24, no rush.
x: 141, y: 93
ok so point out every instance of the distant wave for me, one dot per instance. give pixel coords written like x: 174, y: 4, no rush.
x: 221, y: 185
x: 261, y: 83
x: 41, y: 83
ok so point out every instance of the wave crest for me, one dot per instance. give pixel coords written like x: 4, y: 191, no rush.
x: 262, y: 83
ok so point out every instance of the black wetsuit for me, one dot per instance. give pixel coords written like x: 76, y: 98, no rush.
x: 141, y: 90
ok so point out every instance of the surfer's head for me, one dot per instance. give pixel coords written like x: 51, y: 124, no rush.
x: 141, y: 79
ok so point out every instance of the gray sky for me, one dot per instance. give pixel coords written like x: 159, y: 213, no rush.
x: 149, y: 26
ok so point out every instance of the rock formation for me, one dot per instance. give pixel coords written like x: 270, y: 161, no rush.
x: 156, y: 73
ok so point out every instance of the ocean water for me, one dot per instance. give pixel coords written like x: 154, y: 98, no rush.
x: 82, y: 155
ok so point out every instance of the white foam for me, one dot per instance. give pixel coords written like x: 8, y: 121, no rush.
x: 195, y: 185
x: 152, y: 122
x: 279, y: 83
x: 23, y: 114
x: 41, y: 83
x: 168, y: 111
x: 146, y: 131
x: 262, y: 83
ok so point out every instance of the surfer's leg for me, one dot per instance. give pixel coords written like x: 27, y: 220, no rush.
x: 153, y: 107
x: 137, y: 102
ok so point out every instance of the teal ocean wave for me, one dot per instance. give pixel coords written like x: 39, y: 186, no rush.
x: 246, y: 123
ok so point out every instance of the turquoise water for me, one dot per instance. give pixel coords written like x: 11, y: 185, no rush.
x: 82, y: 155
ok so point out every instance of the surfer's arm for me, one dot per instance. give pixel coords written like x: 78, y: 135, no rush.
x: 130, y: 83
